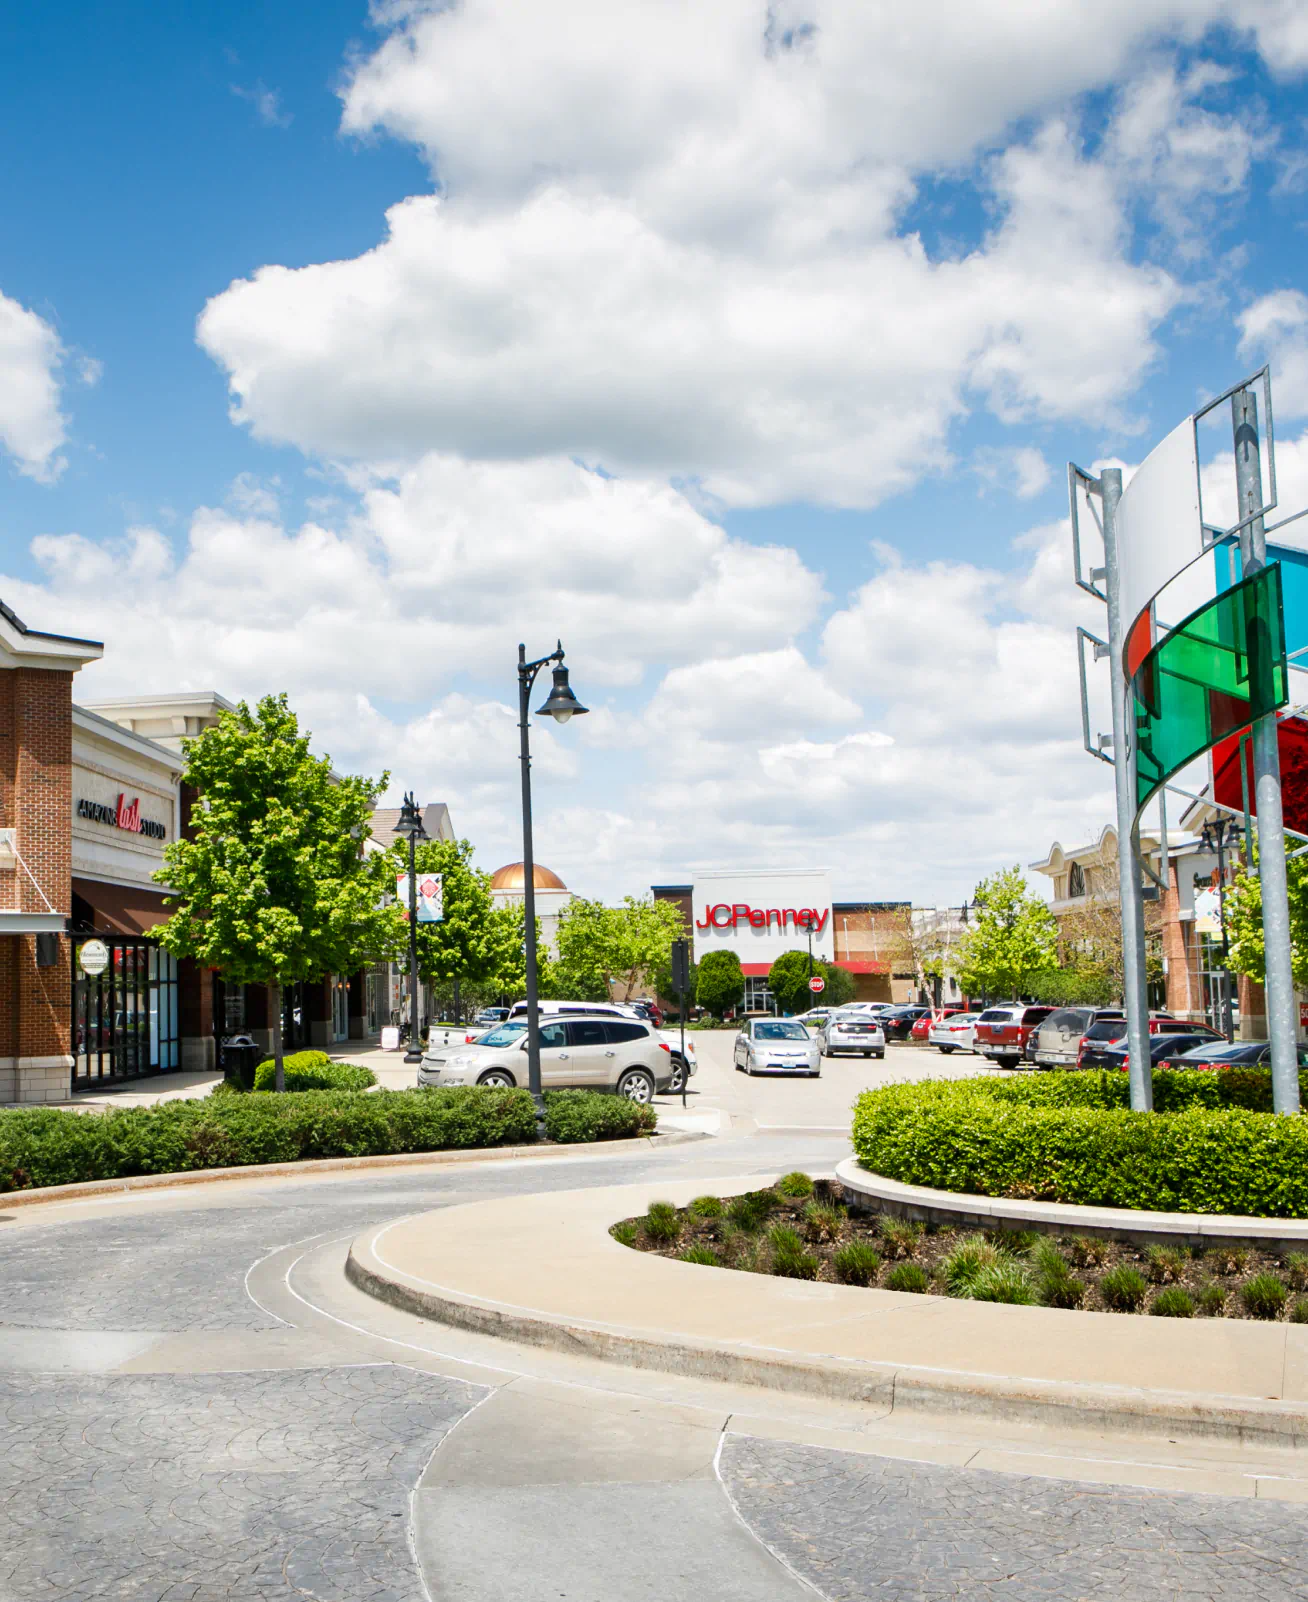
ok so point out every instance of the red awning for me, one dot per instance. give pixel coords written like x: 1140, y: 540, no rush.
x: 850, y: 966
x: 756, y: 970
x: 120, y: 909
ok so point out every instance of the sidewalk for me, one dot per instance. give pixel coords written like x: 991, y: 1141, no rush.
x: 543, y: 1270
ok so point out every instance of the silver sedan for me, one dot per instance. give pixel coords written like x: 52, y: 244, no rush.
x: 777, y: 1045
x: 852, y: 1032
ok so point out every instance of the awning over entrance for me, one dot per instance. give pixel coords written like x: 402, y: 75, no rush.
x: 120, y: 908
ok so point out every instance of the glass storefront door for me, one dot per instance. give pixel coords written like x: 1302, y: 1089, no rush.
x: 124, y: 1019
x: 340, y: 1007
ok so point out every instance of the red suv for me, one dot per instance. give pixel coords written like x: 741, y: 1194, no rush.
x: 1002, y: 1032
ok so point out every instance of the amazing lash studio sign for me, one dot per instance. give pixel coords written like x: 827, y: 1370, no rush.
x: 121, y: 814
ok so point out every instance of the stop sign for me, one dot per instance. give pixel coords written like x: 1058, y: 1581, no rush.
x: 817, y: 984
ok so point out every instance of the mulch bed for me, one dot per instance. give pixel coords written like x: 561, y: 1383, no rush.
x: 750, y: 1248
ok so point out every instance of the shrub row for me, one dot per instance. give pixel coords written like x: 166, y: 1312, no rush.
x: 1072, y: 1138
x: 51, y: 1146
x: 313, y: 1070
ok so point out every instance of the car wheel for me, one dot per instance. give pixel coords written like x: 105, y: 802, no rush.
x: 678, y: 1077
x: 945, y: 1050
x: 637, y: 1084
x: 879, y: 1055
x: 497, y: 1079
x: 867, y: 1053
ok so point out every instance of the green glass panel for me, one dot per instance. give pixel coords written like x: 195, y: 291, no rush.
x: 1220, y: 669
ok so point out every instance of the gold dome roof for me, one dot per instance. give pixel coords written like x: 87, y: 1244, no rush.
x: 512, y: 877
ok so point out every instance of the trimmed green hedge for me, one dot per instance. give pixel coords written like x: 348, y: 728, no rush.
x: 314, y: 1070
x: 52, y: 1146
x: 1072, y: 1138
x: 575, y: 1116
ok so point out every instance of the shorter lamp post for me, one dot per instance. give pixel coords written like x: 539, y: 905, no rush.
x: 1223, y: 835
x: 410, y: 828
x: 561, y: 704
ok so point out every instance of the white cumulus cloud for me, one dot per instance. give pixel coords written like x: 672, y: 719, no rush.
x: 32, y: 428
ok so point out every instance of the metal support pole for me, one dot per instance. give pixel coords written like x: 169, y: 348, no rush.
x: 414, y: 1053
x: 1130, y: 898
x: 1282, y: 1020
x: 526, y: 678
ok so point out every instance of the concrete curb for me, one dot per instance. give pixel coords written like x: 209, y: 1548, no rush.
x: 988, y: 1212
x: 894, y: 1386
x: 326, y: 1165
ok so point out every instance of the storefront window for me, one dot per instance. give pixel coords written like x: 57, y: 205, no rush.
x: 233, y: 1009
x: 125, y: 1019
x: 758, y: 998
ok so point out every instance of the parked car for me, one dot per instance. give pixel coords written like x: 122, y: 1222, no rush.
x: 1056, y: 1042
x: 1002, y: 1032
x: 776, y: 1045
x: 922, y: 1028
x: 616, y: 1009
x: 851, y: 1032
x: 649, y: 1010
x: 1242, y: 1054
x: 599, y: 1052
x: 1112, y: 1032
x: 488, y: 1017
x: 814, y: 1018
x: 898, y: 1021
x: 957, y: 1033
x: 1163, y: 1048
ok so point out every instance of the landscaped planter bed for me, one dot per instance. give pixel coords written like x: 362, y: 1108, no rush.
x: 798, y: 1229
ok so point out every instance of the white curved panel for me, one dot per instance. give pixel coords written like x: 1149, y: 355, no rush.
x: 1159, y: 529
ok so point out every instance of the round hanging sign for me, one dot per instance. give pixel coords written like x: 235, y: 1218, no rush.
x: 93, y: 957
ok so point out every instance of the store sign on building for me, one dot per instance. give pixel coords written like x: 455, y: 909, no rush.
x: 760, y: 915
x: 123, y: 814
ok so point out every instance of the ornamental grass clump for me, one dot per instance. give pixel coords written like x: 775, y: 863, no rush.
x: 707, y: 1207
x: 700, y: 1253
x: 1210, y: 1299
x: 858, y: 1263
x: 900, y: 1237
x: 1264, y: 1296
x: 1052, y: 1275
x: 795, y: 1184
x: 1088, y: 1251
x: 1173, y: 1302
x: 1296, y: 1271
x: 1166, y: 1264
x: 822, y: 1221
x: 972, y: 1255
x: 752, y: 1210
x: 626, y: 1233
x: 1005, y: 1281
x: 789, y: 1259
x: 1227, y: 1259
x: 1299, y: 1310
x: 662, y: 1223
x: 908, y: 1277
x: 1123, y: 1289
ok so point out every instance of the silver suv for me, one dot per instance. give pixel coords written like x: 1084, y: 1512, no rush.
x: 623, y: 1055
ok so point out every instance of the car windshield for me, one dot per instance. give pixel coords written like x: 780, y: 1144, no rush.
x: 996, y: 1015
x: 506, y: 1034
x: 1240, y: 1052
x: 780, y: 1030
x: 1106, y: 1029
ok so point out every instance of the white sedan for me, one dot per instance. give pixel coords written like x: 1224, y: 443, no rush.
x: 955, y: 1033
x: 852, y: 1032
x: 777, y: 1045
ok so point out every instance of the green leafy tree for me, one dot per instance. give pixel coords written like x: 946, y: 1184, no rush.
x: 1075, y: 984
x: 721, y: 984
x: 602, y: 949
x: 271, y: 886
x: 788, y: 981
x: 1244, y: 921
x: 475, y: 944
x: 1012, y: 937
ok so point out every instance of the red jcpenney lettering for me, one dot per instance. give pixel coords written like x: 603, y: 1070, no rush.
x: 723, y: 916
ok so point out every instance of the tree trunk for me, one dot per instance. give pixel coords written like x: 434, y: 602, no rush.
x: 275, y: 1008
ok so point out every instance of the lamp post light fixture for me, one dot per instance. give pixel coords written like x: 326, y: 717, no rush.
x: 410, y: 828
x: 561, y: 704
x: 1221, y: 835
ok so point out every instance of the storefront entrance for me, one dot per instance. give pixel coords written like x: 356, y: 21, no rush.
x: 124, y: 1019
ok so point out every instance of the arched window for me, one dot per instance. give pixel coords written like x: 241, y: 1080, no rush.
x: 1076, y: 882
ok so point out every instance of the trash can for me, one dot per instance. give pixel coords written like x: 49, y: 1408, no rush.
x: 240, y: 1056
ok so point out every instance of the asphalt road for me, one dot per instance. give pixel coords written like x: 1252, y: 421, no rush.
x: 198, y: 1408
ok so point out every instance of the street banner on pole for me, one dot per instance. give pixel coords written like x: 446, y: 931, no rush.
x: 431, y: 896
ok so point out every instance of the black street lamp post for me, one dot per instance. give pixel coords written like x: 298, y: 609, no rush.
x: 1223, y: 835
x: 561, y: 704
x: 410, y: 828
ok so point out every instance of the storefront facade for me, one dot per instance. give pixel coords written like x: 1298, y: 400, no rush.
x: 761, y: 913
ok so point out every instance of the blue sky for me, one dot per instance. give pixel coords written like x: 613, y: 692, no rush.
x: 741, y: 283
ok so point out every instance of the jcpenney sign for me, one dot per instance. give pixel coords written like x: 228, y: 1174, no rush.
x: 725, y: 916
x: 126, y: 815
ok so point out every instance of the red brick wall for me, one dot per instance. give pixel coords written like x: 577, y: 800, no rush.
x: 36, y: 740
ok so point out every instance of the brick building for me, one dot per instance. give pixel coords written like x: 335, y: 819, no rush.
x: 761, y: 913
x: 90, y: 795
